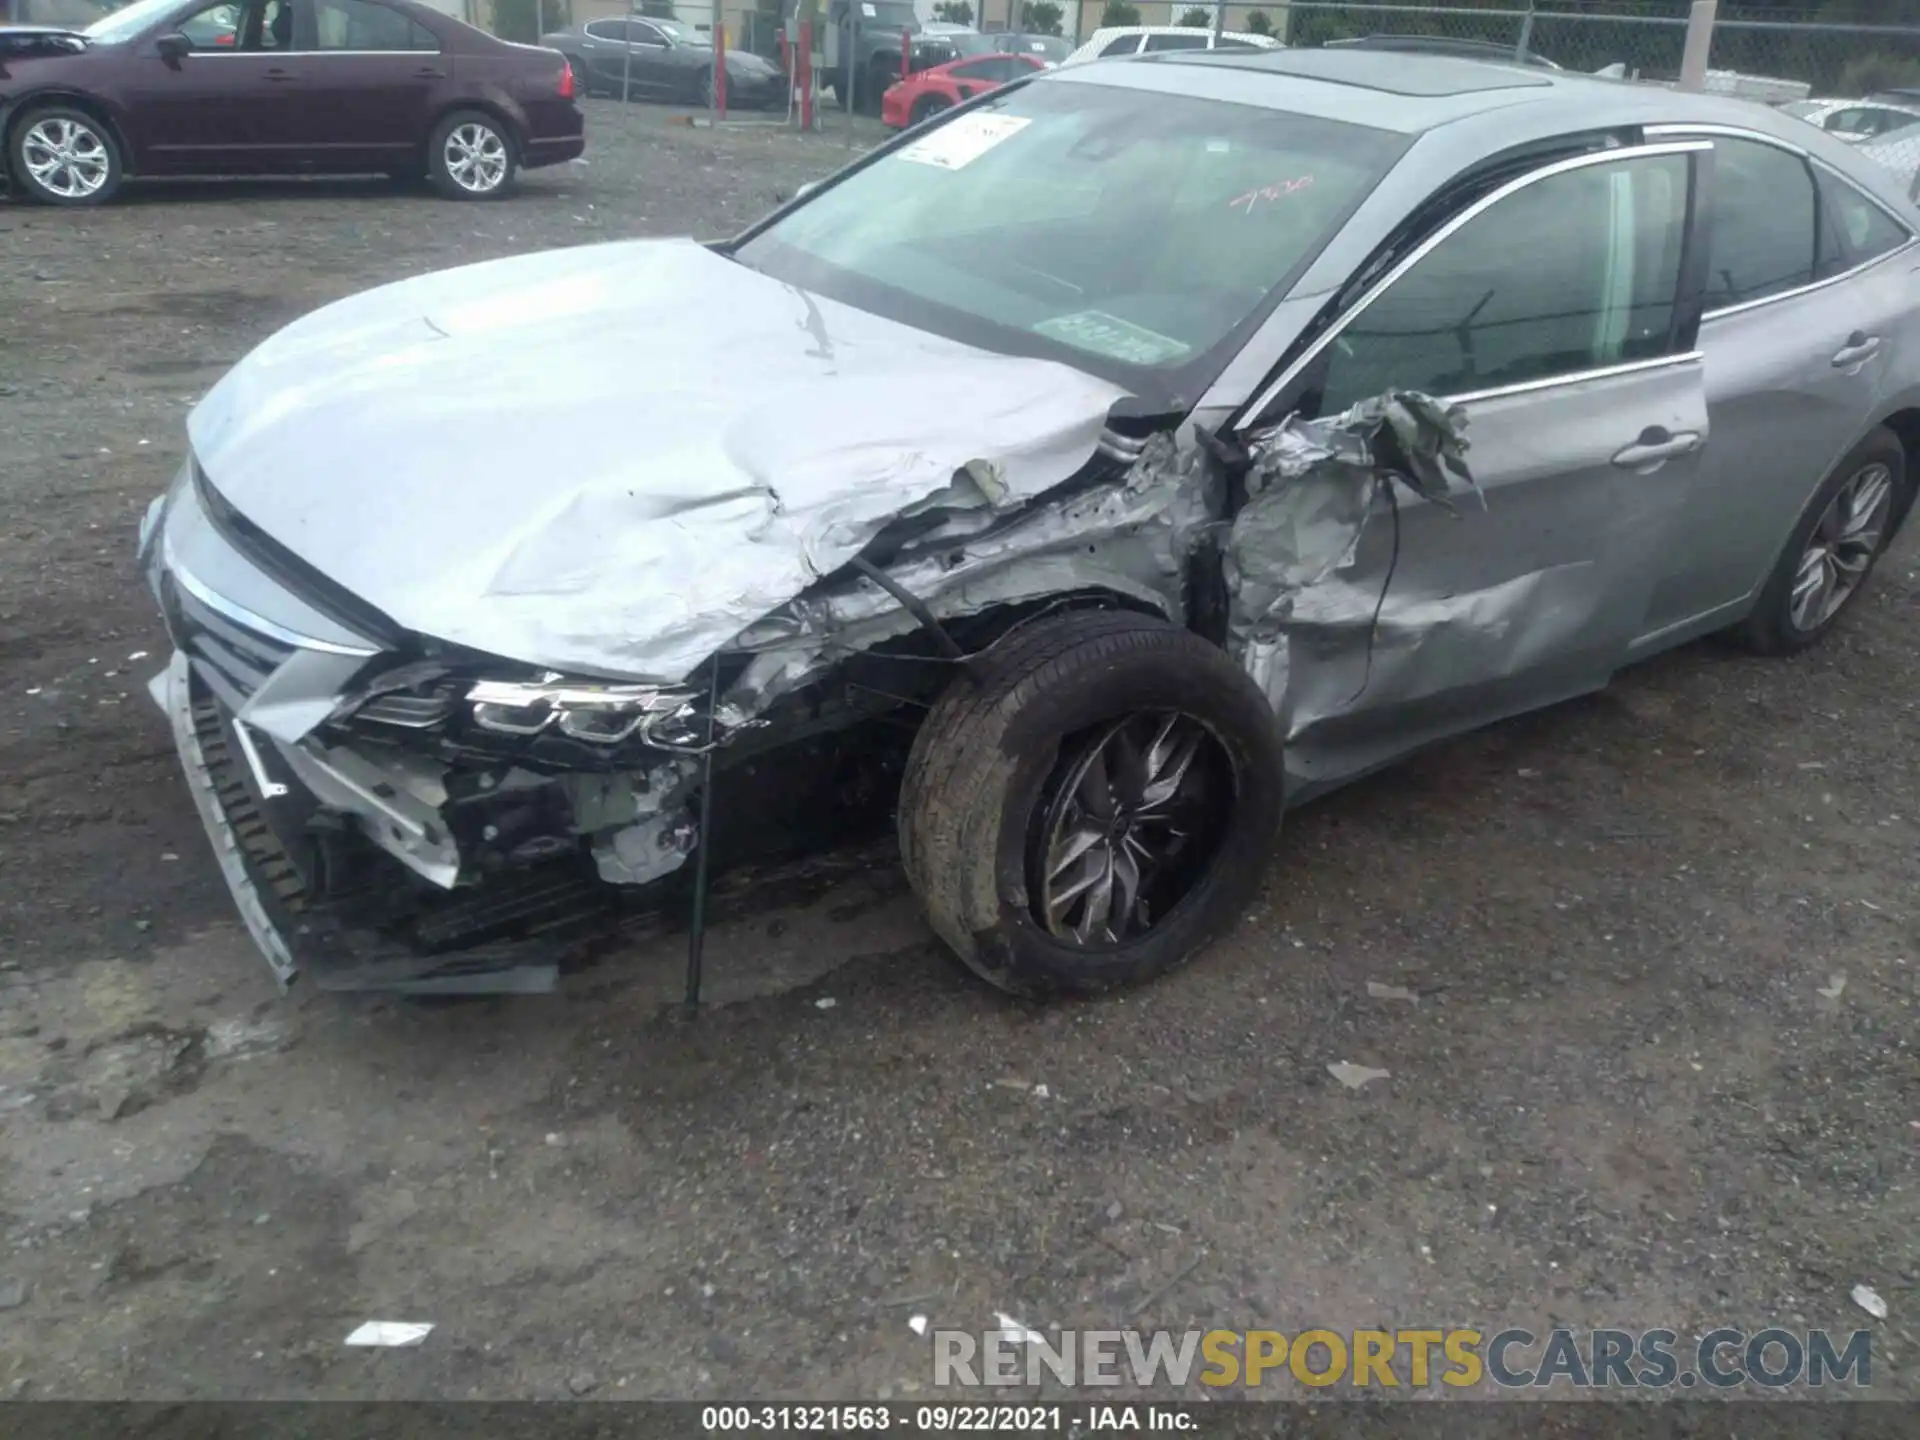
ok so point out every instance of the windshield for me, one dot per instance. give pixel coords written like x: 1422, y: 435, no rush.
x: 130, y: 20
x: 1135, y: 235
x: 886, y: 15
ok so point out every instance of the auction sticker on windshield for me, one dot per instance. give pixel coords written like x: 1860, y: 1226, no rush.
x: 961, y: 141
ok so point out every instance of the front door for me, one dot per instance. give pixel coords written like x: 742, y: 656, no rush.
x: 373, y: 73
x: 1556, y: 315
x: 229, y: 106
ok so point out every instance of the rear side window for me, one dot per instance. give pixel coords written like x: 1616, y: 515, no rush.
x: 1125, y: 45
x: 615, y: 30
x: 1857, y: 230
x: 1576, y: 272
x: 1176, y: 42
x: 361, y: 25
x: 1763, y: 223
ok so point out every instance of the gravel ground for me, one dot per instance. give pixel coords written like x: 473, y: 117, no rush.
x: 1632, y: 1090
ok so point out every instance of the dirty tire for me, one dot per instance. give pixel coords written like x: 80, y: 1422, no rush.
x: 482, y: 166
x: 1771, y: 628
x: 982, y: 764
x: 46, y: 133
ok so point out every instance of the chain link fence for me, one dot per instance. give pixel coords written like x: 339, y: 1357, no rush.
x: 1859, y: 81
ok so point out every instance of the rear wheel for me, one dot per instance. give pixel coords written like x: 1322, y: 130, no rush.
x: 62, y: 155
x: 1095, y: 807
x: 471, y: 157
x: 928, y: 106
x: 1827, y: 559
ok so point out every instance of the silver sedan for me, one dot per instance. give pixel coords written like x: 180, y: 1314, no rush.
x: 1086, y: 478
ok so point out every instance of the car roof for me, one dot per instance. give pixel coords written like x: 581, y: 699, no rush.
x: 1456, y: 111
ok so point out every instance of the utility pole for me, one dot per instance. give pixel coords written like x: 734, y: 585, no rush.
x: 1693, y: 62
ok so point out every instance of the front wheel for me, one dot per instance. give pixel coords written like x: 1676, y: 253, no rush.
x: 927, y: 107
x: 471, y: 157
x: 1827, y: 559
x: 62, y: 155
x: 1094, y: 806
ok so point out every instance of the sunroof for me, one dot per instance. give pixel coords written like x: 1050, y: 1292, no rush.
x: 1393, y: 72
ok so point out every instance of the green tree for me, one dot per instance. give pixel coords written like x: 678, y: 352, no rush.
x: 1119, y: 12
x: 1195, y: 17
x: 1259, y: 24
x: 1041, y: 17
x: 954, y: 12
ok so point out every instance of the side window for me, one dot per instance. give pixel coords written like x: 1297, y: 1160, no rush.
x: 1575, y: 272
x: 642, y: 34
x: 217, y: 27
x: 1124, y: 45
x: 1857, y: 230
x: 974, y: 70
x: 363, y: 25
x: 1177, y: 42
x: 614, y: 30
x: 1763, y: 223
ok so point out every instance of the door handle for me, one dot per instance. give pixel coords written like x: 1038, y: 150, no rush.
x: 1655, y: 447
x: 1859, y: 349
x: 278, y: 76
x: 427, y: 72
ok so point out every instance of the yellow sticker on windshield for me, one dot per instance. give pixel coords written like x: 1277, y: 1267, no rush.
x: 963, y: 140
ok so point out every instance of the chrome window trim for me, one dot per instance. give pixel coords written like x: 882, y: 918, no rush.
x: 1554, y: 382
x: 245, y: 618
x: 1446, y: 232
x: 1735, y: 132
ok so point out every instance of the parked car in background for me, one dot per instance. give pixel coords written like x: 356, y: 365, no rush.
x: 663, y: 60
x: 1057, y: 435
x: 936, y: 46
x: 927, y: 93
x: 1899, y: 152
x: 278, y: 87
x: 1110, y: 41
x: 1854, y: 120
x: 869, y: 40
x: 1445, y: 45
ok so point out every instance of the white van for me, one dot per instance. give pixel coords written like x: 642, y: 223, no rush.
x: 1110, y: 40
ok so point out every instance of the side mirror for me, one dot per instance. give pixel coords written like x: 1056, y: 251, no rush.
x: 173, y: 47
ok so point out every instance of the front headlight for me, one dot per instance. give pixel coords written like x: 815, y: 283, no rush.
x: 663, y: 716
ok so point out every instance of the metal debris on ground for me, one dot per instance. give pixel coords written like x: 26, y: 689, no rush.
x: 389, y: 1334
x: 1835, y: 986
x: 1868, y: 1299
x: 1391, y: 992
x: 1354, y: 1077
x: 917, y: 1324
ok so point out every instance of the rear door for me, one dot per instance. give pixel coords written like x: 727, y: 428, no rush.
x: 231, y: 106
x: 1804, y: 309
x: 1559, y: 313
x: 372, y: 77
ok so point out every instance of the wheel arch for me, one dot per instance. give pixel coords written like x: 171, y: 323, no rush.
x: 1905, y: 423
x: 18, y: 108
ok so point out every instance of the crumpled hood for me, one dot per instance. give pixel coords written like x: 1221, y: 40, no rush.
x: 613, y: 458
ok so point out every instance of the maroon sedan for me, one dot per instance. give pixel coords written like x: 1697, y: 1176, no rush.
x: 278, y: 87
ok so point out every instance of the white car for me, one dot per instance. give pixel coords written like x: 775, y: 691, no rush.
x: 1110, y: 40
x: 1899, y: 151
x: 1854, y: 120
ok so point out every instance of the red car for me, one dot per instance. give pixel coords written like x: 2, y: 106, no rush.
x: 944, y: 86
x: 277, y: 87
